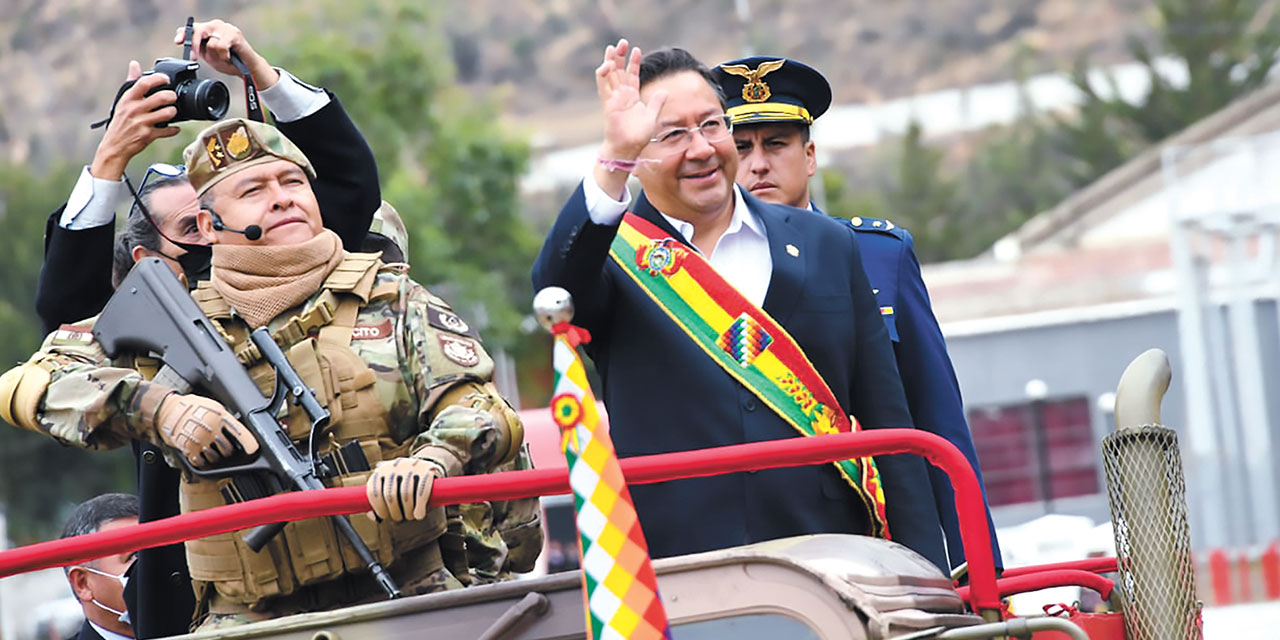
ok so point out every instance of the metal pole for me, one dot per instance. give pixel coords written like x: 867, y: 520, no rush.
x: 743, y: 9
x: 1036, y: 391
x: 1040, y: 440
x: 1016, y: 628
x: 1246, y: 353
x: 1235, y: 477
x: 1201, y: 428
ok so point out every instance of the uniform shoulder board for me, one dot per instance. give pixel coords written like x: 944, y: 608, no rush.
x: 862, y: 223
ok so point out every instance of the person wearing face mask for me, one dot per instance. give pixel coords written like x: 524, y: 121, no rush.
x: 75, y: 279
x: 100, y: 583
x: 406, y: 381
x: 81, y: 259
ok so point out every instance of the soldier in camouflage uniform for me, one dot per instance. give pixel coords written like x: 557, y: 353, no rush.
x: 405, y: 379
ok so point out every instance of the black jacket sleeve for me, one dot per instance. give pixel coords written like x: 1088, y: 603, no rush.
x: 75, y: 279
x: 573, y: 256
x: 346, y: 184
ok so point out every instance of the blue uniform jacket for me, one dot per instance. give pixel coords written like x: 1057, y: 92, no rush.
x: 928, y: 378
x: 665, y: 395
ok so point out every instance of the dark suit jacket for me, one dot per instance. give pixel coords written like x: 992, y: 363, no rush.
x: 664, y: 395
x: 75, y: 283
x: 928, y: 378
x: 87, y: 632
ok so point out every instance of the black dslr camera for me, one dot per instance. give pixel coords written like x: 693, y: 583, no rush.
x: 197, y: 99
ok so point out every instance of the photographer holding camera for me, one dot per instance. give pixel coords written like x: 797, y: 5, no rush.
x: 75, y: 280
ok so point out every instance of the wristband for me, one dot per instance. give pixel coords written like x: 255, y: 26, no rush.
x: 626, y: 166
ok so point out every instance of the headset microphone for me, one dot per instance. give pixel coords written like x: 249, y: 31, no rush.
x: 252, y: 232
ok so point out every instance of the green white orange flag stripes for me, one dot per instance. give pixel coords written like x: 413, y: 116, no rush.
x: 619, y: 587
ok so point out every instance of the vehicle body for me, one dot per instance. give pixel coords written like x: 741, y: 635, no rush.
x: 809, y: 587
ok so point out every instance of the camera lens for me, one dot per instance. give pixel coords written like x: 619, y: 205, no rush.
x: 202, y: 100
x: 212, y: 99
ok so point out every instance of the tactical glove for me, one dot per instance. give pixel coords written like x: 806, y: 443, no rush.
x: 399, y: 489
x: 202, y: 429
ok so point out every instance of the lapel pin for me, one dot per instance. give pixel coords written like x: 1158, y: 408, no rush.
x: 795, y: 252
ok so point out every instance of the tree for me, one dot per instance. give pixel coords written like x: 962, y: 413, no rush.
x: 923, y: 199
x: 1229, y: 48
x: 443, y: 159
x: 37, y: 488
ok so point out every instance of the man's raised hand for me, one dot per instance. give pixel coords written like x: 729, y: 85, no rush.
x: 629, y: 122
x: 133, y: 123
x: 213, y: 42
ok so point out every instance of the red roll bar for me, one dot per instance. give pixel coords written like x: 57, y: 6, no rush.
x: 982, y: 591
x: 1092, y: 565
x: 1025, y: 582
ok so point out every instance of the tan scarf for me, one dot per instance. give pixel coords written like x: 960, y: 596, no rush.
x: 262, y: 281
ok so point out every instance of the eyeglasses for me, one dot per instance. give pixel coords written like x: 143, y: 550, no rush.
x: 163, y: 170
x: 678, y: 139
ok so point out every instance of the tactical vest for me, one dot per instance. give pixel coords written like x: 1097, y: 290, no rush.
x: 317, y: 342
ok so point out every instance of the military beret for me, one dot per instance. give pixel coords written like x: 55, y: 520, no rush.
x: 771, y: 89
x: 233, y: 145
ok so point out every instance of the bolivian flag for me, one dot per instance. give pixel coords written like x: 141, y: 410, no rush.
x: 619, y: 586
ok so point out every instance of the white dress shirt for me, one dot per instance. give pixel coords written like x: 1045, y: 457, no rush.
x: 93, y: 201
x: 741, y: 255
x: 107, y: 634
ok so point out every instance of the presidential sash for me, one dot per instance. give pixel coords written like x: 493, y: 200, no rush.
x: 745, y: 341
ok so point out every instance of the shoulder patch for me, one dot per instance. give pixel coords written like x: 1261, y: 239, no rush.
x: 372, y: 331
x: 447, y: 320
x: 461, y: 351
x: 72, y: 334
x: 877, y: 225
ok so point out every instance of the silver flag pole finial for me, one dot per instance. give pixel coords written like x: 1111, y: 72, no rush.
x: 553, y: 306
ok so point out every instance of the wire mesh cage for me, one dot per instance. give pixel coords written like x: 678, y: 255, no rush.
x: 1153, y: 534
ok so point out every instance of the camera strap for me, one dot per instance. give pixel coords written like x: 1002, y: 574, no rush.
x: 252, y: 106
x: 111, y: 114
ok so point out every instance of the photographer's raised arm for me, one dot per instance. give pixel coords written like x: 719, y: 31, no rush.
x: 75, y: 279
x: 346, y: 187
x: 134, y: 123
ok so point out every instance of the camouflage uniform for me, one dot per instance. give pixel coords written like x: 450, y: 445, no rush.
x: 401, y: 375
x: 419, y: 352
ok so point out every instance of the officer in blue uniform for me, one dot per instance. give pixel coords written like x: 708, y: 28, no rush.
x: 773, y: 101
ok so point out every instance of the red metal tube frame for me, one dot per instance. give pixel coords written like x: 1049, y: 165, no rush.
x: 1050, y: 578
x: 1092, y: 565
x: 982, y: 591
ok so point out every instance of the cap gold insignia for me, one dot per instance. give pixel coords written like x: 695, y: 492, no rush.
x: 793, y: 250
x: 755, y: 90
x: 217, y: 156
x: 238, y: 144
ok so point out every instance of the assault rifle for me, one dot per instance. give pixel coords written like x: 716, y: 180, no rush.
x: 151, y: 312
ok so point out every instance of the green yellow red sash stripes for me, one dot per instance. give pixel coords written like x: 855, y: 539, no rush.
x: 745, y: 341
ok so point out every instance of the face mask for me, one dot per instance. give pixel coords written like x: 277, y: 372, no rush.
x: 123, y: 616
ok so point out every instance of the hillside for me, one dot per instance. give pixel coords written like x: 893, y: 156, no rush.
x: 61, y: 60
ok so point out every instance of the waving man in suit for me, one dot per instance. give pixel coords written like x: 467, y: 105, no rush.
x: 719, y: 319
